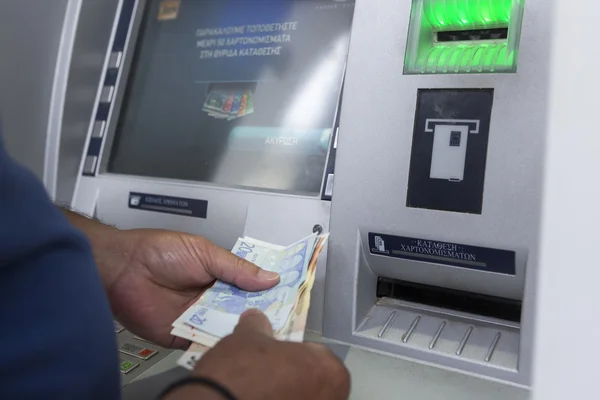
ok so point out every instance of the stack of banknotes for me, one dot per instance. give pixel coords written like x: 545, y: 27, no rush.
x: 217, y: 311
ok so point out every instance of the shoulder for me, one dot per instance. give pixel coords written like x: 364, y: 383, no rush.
x: 59, y: 339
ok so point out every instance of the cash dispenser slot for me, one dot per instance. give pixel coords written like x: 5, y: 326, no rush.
x: 473, y: 303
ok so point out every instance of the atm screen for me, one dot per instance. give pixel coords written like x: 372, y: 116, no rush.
x: 236, y: 93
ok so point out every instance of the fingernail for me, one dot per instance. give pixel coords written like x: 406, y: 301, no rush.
x: 249, y: 312
x: 267, y: 275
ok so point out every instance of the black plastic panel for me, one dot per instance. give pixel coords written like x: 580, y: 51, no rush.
x: 472, y: 34
x: 449, y: 149
x: 473, y: 303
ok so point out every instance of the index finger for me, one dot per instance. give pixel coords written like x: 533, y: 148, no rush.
x: 254, y: 321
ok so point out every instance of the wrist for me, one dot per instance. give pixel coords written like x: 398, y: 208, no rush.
x: 111, y: 247
x: 112, y: 251
x: 193, y: 392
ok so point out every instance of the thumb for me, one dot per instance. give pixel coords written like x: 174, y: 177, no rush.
x: 254, y: 321
x: 228, y: 267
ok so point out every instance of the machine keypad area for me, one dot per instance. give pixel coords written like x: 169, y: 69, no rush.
x: 136, y: 355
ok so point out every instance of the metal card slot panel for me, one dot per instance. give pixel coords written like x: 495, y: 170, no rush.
x: 399, y: 326
x: 447, y: 335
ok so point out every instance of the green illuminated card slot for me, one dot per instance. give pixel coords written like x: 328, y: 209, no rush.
x: 463, y: 36
x: 471, y: 35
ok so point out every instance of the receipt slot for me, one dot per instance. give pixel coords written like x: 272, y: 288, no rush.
x: 450, y: 147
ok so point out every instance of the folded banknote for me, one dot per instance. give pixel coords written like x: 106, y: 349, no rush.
x: 217, y: 312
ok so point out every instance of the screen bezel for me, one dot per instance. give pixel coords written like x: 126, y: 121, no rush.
x: 129, y: 59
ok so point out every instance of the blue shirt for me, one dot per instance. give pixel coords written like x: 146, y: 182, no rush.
x: 57, y: 337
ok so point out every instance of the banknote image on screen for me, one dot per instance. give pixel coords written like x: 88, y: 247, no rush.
x: 230, y: 100
x: 235, y: 93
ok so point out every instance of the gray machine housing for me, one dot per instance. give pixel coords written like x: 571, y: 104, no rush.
x: 372, y: 167
x: 232, y: 212
x: 48, y: 83
x: 372, y: 164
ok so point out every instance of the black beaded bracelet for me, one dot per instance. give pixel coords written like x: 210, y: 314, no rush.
x: 198, y: 380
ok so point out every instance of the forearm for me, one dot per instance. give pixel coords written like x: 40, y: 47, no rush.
x: 110, y: 251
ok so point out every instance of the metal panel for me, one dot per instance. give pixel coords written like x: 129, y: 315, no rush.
x: 372, y: 169
x: 232, y: 213
x: 372, y: 375
x: 437, y: 333
x: 95, y: 27
x: 566, y: 350
x: 31, y: 38
x: 57, y: 100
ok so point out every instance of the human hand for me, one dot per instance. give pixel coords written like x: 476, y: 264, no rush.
x: 252, y: 365
x: 159, y: 274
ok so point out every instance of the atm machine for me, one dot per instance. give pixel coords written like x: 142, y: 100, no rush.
x: 218, y: 119
x: 227, y: 118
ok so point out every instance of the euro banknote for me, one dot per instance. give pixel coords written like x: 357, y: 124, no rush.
x: 286, y: 305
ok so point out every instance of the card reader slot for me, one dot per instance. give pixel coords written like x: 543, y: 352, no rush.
x: 471, y: 35
x: 458, y: 300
